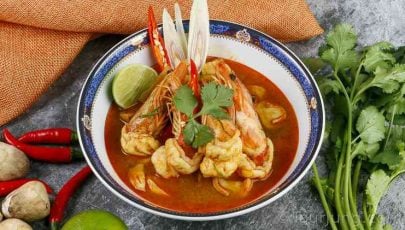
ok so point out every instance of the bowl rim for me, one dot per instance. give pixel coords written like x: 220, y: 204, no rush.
x: 234, y: 212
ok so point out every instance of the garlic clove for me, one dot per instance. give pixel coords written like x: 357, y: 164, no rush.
x: 30, y: 202
x: 14, y: 164
x: 14, y: 224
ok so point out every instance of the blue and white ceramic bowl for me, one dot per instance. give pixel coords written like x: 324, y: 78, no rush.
x: 228, y: 40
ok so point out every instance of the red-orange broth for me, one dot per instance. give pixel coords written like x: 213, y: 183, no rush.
x: 192, y: 193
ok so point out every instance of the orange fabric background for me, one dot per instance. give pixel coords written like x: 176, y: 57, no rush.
x: 40, y: 38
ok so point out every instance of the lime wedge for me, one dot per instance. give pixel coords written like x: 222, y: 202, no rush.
x: 94, y: 219
x: 132, y: 83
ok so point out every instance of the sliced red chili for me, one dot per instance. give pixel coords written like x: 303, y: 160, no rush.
x: 50, y: 136
x: 44, y: 153
x: 194, y: 85
x: 8, y: 186
x: 62, y: 198
x: 156, y: 42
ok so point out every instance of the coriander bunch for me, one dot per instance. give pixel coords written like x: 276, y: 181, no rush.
x: 366, y: 93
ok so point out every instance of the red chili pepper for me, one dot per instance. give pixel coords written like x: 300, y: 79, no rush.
x: 194, y: 85
x: 63, y: 136
x: 8, y: 186
x: 64, y: 195
x: 44, y: 153
x: 156, y: 42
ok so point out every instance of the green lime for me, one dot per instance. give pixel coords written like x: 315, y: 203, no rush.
x: 94, y: 219
x: 132, y: 84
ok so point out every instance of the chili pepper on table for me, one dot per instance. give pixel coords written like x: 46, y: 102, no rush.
x: 50, y: 136
x: 64, y: 195
x: 53, y: 154
x: 8, y: 186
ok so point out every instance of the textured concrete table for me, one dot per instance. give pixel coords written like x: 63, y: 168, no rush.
x: 299, y: 209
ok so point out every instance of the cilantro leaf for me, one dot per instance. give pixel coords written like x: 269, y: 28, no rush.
x: 196, y: 134
x: 342, y: 37
x: 370, y: 125
x: 327, y: 86
x: 399, y: 54
x: 367, y: 150
x: 376, y: 186
x: 215, y: 97
x: 395, y: 103
x: 378, y: 55
x: 401, y: 166
x: 388, y: 80
x: 185, y: 101
x: 189, y: 132
x: 379, y: 224
x: 313, y: 64
x: 400, y: 106
x: 340, y: 43
x: 389, y: 157
x: 340, y: 61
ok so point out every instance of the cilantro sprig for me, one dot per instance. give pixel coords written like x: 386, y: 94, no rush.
x: 215, y: 98
x: 366, y: 134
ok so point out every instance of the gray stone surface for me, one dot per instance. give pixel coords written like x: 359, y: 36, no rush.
x: 300, y: 209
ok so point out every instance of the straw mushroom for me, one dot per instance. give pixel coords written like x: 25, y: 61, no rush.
x: 30, y: 202
x: 14, y: 224
x: 14, y: 164
x: 270, y: 114
x: 1, y: 217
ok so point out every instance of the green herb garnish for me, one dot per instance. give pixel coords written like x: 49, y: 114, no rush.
x: 152, y: 113
x: 366, y: 93
x: 215, y: 99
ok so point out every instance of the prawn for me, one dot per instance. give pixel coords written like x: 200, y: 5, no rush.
x: 138, y: 136
x: 176, y: 157
x: 221, y: 154
x: 257, y: 148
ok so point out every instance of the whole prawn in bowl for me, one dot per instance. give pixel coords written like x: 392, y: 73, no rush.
x: 204, y: 125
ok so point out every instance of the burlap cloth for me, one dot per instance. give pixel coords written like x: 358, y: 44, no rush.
x: 40, y: 38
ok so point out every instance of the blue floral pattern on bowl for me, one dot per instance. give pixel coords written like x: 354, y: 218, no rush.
x: 256, y: 38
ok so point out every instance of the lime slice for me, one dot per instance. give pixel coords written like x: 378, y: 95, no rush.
x: 132, y: 83
x: 94, y: 219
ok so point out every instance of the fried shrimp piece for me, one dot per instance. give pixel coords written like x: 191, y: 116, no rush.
x: 247, y: 120
x: 162, y: 167
x: 221, y: 154
x: 177, y: 158
x: 138, y: 136
x: 257, y: 157
x: 226, y: 187
x: 247, y: 168
x: 136, y: 176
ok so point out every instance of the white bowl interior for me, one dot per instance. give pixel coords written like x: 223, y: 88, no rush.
x: 220, y: 46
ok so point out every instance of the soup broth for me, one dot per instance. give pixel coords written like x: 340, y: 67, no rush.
x: 194, y: 193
